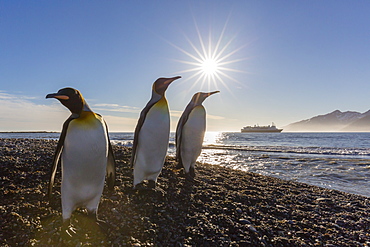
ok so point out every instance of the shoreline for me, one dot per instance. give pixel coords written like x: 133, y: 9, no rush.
x: 21, y: 132
x: 223, y: 207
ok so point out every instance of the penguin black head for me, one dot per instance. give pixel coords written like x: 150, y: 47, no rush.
x: 198, y: 98
x: 161, y: 84
x: 70, y: 98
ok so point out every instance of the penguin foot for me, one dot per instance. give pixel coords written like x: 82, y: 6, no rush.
x: 102, y: 224
x: 192, y: 172
x: 151, y: 184
x: 68, y: 231
x: 179, y: 165
x: 190, y: 176
x: 139, y: 187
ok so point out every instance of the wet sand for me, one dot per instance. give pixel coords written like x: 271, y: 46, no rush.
x: 223, y: 207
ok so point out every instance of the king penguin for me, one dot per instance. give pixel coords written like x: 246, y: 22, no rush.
x: 190, y: 133
x: 152, y: 135
x: 86, y: 158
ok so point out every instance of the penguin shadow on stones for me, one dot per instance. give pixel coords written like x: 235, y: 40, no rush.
x: 147, y: 192
x: 158, y: 212
x: 172, y: 214
x: 124, y: 175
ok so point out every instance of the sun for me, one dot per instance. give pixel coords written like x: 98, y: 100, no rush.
x: 211, y: 61
x: 209, y: 66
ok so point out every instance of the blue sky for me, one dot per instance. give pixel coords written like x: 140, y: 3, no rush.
x: 285, y: 60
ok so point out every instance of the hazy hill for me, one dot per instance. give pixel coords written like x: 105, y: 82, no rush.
x: 335, y: 121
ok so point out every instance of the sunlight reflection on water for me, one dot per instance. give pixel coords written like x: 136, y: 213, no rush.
x: 211, y: 137
x: 349, y: 175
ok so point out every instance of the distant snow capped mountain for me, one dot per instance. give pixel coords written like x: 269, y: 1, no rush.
x: 335, y: 121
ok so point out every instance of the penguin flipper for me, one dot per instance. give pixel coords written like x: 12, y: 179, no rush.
x: 178, y: 139
x: 180, y: 125
x: 138, y: 128
x: 111, y: 164
x: 57, y: 154
x: 111, y: 168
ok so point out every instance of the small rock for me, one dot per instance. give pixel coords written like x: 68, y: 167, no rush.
x: 252, y: 228
x: 322, y: 199
x: 244, y: 221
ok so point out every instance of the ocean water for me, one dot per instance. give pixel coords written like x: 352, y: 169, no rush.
x: 338, y: 161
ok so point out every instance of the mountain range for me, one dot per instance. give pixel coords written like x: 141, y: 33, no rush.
x: 349, y: 121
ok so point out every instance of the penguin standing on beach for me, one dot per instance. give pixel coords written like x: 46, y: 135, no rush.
x: 152, y: 135
x: 86, y: 158
x: 190, y: 133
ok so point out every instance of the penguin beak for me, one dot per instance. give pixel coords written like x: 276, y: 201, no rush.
x: 57, y: 96
x: 170, y: 80
x: 161, y: 84
x: 210, y: 93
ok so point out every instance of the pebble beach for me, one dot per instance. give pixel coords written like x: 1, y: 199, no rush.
x: 222, y: 207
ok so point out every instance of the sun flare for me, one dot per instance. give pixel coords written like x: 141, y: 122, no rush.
x: 209, y: 66
x: 211, y: 63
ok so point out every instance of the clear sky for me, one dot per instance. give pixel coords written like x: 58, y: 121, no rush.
x: 278, y: 61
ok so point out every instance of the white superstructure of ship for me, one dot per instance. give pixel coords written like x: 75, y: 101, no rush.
x: 257, y: 128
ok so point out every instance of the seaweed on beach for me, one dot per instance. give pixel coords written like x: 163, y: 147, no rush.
x: 222, y: 207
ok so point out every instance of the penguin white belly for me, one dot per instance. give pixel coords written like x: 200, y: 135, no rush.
x: 152, y: 144
x: 192, y: 137
x: 84, y: 160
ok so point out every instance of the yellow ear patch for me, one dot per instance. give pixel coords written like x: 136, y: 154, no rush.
x: 65, y: 97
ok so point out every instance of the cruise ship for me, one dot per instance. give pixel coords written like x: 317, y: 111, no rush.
x: 257, y: 128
